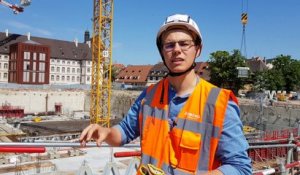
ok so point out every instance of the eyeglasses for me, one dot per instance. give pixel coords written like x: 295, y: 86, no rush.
x: 183, y: 44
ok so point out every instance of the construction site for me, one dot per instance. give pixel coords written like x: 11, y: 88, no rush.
x: 40, y: 124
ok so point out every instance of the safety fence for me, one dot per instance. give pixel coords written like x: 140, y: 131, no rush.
x: 280, y: 134
x: 263, y: 154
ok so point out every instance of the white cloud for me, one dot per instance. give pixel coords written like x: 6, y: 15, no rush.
x: 22, y: 26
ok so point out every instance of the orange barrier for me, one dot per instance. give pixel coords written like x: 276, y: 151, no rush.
x: 23, y: 149
x: 127, y: 154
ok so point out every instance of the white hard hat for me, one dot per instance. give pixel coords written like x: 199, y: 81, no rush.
x: 179, y: 20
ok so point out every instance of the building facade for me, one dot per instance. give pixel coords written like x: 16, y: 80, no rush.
x: 134, y: 75
x: 65, y: 62
x: 4, y: 68
x: 29, y: 63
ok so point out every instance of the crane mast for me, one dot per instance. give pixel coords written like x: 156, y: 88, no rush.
x: 101, y: 62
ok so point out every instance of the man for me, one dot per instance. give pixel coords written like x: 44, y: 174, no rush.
x: 186, y: 125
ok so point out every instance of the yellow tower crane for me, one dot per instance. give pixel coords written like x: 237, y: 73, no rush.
x: 101, y: 62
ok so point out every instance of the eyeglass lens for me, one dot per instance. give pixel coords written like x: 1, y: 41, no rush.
x: 184, y: 45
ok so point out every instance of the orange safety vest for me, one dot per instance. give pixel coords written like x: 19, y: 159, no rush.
x: 190, y: 146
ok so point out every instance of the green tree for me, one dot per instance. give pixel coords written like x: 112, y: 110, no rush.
x: 290, y: 70
x: 223, y: 69
x: 114, y: 73
x: 268, y: 80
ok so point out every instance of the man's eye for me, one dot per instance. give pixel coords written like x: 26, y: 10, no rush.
x: 169, y: 45
x: 184, y: 43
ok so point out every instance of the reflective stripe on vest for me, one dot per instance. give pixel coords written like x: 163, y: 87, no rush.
x: 185, y: 149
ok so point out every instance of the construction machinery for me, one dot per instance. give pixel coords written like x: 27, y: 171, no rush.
x: 16, y: 8
x: 101, y: 62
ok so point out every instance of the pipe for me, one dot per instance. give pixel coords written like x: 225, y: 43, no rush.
x: 272, y: 146
x: 59, y: 144
x: 291, y: 165
x: 23, y: 149
x: 127, y: 154
x: 265, y: 172
x: 269, y: 141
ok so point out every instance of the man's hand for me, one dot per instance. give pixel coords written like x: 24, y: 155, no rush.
x: 96, y: 132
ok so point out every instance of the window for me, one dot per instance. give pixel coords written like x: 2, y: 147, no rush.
x: 78, y: 70
x: 26, y: 76
x: 73, y: 70
x: 42, y: 57
x: 52, y: 77
x: 5, y: 66
x: 52, y: 68
x: 26, y: 55
x: 42, y: 66
x: 68, y: 70
x: 34, y: 56
x: 78, y: 78
x: 34, y: 66
x: 57, y: 77
x: 5, y: 75
x: 63, y: 69
x: 12, y: 56
x: 26, y: 65
x: 88, y: 78
x: 68, y: 62
x: 73, y: 78
x: 68, y: 78
x: 34, y: 77
x: 41, y: 77
x: 58, y: 69
x: 88, y: 70
x: 63, y: 62
x: 63, y: 78
x: 0, y: 67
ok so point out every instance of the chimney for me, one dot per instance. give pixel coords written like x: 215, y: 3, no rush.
x: 86, y: 36
x: 76, y: 42
x: 6, y: 32
x: 28, y: 36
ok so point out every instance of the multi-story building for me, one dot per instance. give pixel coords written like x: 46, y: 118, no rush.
x: 157, y: 72
x: 134, y: 75
x: 28, y: 63
x: 4, y: 68
x: 70, y: 62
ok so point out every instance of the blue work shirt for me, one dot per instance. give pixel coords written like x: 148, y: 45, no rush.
x: 232, y: 147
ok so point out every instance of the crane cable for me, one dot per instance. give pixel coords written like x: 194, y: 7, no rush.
x: 244, y: 20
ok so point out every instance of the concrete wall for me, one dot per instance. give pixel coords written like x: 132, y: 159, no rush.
x: 270, y: 117
x: 35, y: 101
x: 259, y: 116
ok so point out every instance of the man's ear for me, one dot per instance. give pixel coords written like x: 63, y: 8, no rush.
x: 198, y: 50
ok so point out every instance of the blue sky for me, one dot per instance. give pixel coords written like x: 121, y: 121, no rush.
x: 273, y: 25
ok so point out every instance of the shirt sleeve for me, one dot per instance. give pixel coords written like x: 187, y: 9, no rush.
x: 129, y: 126
x: 232, y: 147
